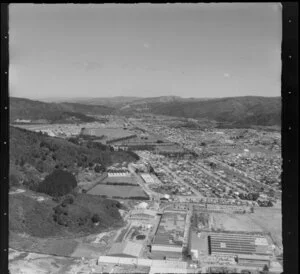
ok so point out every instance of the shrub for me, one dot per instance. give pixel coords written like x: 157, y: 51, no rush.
x: 96, y: 218
x: 99, y: 169
x: 69, y: 199
x: 13, y: 180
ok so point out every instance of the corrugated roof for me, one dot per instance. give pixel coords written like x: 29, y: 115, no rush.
x: 254, y: 257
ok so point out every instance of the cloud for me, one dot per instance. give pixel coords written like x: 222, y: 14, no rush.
x: 146, y: 45
x: 91, y: 66
x: 226, y: 75
x: 88, y: 65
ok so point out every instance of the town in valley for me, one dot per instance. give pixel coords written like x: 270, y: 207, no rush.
x: 198, y: 199
x: 146, y: 138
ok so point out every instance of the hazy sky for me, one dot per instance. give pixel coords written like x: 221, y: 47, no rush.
x: 188, y: 50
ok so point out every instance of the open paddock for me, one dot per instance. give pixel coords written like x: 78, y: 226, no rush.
x: 111, y: 133
x: 233, y: 222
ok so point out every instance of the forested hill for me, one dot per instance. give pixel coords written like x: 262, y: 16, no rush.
x: 21, y: 108
x: 32, y: 154
x: 48, y: 165
x: 235, y: 111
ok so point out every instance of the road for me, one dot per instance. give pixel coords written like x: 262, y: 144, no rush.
x: 17, y: 191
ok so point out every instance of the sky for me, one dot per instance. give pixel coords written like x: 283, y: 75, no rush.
x: 145, y: 50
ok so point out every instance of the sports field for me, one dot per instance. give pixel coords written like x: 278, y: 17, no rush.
x: 117, y: 190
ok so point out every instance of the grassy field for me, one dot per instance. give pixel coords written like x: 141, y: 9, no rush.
x: 88, y: 251
x: 233, y: 222
x: 117, y: 190
x: 111, y: 133
x: 27, y: 215
x: 58, y: 247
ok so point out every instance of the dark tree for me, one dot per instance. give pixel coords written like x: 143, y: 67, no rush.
x: 97, y: 168
x: 265, y: 269
x: 58, y: 183
x: 69, y: 199
x: 13, y: 180
x: 96, y: 218
x: 22, y: 161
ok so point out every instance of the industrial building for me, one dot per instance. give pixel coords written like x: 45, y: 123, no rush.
x: 118, y: 177
x: 148, y: 179
x: 237, y: 244
x: 142, y: 215
x: 169, y: 238
x: 156, y: 266
x: 254, y: 260
x: 118, y: 174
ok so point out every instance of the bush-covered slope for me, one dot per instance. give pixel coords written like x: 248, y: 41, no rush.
x: 33, y: 153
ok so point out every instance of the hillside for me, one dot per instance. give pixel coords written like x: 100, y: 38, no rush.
x: 38, y: 218
x: 104, y: 101
x: 120, y: 101
x: 160, y: 99
x: 236, y: 111
x: 33, y: 155
x: 99, y: 109
x: 54, y: 112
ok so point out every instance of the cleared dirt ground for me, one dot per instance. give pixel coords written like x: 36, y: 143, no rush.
x: 233, y: 222
x: 270, y: 220
x: 33, y: 263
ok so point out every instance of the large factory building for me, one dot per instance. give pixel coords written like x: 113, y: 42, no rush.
x: 169, y: 238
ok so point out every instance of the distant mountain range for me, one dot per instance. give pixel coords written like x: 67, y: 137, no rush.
x: 107, y: 101
x: 121, y: 101
x: 235, y: 111
x: 228, y: 112
x: 21, y: 108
